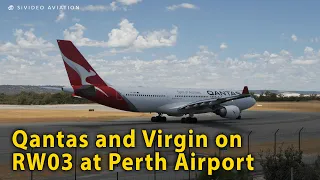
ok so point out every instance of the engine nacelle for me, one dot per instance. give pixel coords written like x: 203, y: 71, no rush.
x: 230, y: 112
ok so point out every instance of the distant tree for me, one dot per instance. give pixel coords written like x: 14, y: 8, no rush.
x: 280, y: 95
x: 279, y: 166
x: 317, y: 165
x: 268, y: 93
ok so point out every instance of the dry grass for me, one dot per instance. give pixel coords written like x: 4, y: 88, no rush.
x: 311, y: 106
x: 40, y: 115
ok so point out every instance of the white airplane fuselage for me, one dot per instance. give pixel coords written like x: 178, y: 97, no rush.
x: 166, y: 100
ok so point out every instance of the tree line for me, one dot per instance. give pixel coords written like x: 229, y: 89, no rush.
x: 270, y: 96
x: 32, y: 98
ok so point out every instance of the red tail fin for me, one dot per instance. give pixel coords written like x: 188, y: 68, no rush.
x: 245, y: 90
x: 79, y: 70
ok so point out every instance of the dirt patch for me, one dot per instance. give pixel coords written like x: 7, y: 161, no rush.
x: 37, y: 115
x: 312, y: 106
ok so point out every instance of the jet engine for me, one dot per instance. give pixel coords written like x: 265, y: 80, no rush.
x: 230, y: 112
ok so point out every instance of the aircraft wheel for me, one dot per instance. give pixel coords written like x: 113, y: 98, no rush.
x: 153, y: 119
x: 163, y: 119
x: 239, y: 117
x: 194, y: 120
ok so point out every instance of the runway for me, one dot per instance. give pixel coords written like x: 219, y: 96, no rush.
x: 263, y: 125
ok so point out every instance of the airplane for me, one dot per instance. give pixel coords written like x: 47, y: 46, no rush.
x: 180, y: 102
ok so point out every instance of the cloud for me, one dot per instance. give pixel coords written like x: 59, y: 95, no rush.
x: 61, y: 16
x: 315, y: 40
x: 309, y: 58
x: 75, y: 34
x: 269, y: 70
x: 171, y: 57
x: 265, y: 70
x: 126, y: 37
x: 75, y: 19
x: 223, y: 46
x: 28, y: 40
x: 100, y: 8
x: 26, y: 61
x: 305, y: 61
x: 27, y: 25
x: 294, y: 37
x: 251, y: 56
x: 182, y: 5
x: 113, y: 6
x: 8, y: 48
x: 31, y: 59
x: 308, y: 50
x: 129, y: 2
x: 160, y: 38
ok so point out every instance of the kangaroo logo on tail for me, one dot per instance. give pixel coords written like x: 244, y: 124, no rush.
x: 82, y: 72
x: 73, y: 59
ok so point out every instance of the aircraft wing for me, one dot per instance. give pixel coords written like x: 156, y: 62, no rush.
x: 212, y: 103
x: 57, y: 88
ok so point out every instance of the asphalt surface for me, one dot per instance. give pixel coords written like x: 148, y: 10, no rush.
x: 263, y: 125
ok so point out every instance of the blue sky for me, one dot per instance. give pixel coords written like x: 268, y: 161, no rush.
x: 276, y: 43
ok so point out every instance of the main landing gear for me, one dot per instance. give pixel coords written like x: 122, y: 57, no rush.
x: 189, y: 119
x: 158, y: 118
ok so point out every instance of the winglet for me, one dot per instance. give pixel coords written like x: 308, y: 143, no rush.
x: 245, y: 90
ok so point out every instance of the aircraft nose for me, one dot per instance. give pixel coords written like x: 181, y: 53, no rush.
x: 253, y: 101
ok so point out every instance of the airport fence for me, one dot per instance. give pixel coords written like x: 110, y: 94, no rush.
x: 253, y: 143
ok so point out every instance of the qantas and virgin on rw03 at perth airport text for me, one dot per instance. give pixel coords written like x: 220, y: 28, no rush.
x: 37, y: 161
